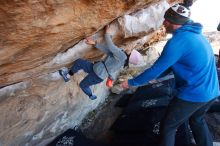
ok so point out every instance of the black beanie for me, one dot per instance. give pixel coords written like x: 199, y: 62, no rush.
x: 178, y: 14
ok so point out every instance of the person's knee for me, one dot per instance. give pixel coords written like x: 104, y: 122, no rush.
x: 82, y: 85
x: 169, y: 125
x: 195, y: 121
x: 76, y: 65
x: 78, y: 61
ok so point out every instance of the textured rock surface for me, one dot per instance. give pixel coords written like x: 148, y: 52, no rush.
x: 214, y: 39
x: 40, y: 36
x: 33, y: 32
x: 42, y: 108
x: 214, y: 121
x: 37, y: 37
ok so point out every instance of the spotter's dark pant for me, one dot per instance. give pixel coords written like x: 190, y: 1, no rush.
x: 180, y: 111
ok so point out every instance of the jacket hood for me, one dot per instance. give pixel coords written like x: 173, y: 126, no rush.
x: 191, y: 26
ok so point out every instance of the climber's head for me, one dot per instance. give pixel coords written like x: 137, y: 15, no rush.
x: 133, y: 57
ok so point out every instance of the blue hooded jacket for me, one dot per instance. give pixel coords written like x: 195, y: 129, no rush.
x: 192, y: 61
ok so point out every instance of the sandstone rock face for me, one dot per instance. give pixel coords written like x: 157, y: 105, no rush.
x: 37, y: 38
x: 33, y: 32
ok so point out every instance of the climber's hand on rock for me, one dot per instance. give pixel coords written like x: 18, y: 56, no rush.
x: 124, y: 84
x: 107, y: 29
x: 90, y: 41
